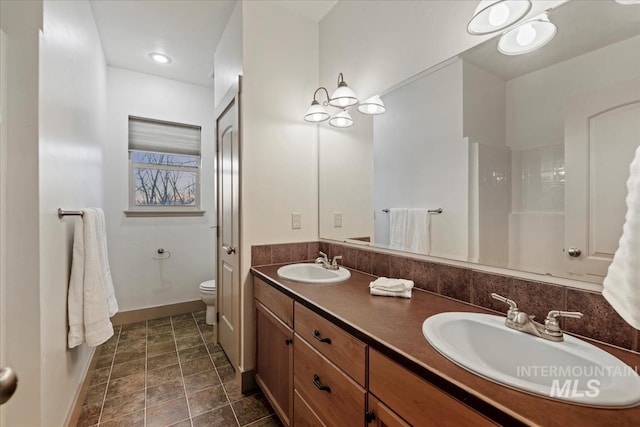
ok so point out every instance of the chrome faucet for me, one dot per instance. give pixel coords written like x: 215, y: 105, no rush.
x: 324, y: 260
x: 521, y: 321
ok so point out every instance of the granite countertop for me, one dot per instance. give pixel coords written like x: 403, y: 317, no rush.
x: 393, y: 326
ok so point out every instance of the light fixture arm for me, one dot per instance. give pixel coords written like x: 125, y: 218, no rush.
x: 325, y: 103
x: 341, y: 80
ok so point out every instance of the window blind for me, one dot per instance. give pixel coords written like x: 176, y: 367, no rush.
x: 163, y: 137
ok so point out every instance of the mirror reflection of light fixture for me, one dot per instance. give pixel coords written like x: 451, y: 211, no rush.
x: 342, y: 98
x: 341, y: 120
x: 373, y: 105
x: 527, y: 37
x: 495, y: 15
x: 316, y: 112
x: 627, y: 2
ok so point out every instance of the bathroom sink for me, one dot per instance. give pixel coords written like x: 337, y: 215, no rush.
x: 313, y: 273
x: 571, y: 371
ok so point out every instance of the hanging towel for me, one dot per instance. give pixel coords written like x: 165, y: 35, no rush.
x: 418, y: 231
x: 398, y: 228
x: 622, y: 283
x: 91, y: 299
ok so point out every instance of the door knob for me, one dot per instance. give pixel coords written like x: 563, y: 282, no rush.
x: 229, y: 249
x: 574, y: 252
x: 8, y: 384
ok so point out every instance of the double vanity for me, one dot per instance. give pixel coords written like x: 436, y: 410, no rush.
x: 329, y: 353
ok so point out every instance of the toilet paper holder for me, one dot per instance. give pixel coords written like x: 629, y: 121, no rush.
x: 162, y: 251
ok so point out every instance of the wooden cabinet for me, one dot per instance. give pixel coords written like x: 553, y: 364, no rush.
x: 335, y: 397
x: 380, y: 415
x: 274, y: 349
x: 417, y: 401
x: 303, y: 416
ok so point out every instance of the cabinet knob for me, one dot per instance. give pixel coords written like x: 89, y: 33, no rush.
x: 288, y: 341
x: 369, y: 417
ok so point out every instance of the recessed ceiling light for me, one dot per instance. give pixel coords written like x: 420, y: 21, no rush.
x: 160, y: 58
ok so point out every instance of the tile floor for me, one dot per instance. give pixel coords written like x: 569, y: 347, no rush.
x: 168, y: 372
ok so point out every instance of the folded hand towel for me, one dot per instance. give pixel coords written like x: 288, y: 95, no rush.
x: 622, y: 284
x: 382, y: 292
x: 396, y: 285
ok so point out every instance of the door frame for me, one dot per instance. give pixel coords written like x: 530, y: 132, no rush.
x: 231, y: 97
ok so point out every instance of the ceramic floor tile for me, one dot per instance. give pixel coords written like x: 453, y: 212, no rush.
x: 271, y: 421
x: 125, y: 385
x: 251, y: 409
x: 193, y: 353
x: 167, y: 413
x: 135, y: 419
x: 160, y: 348
x: 226, y: 373
x: 100, y: 376
x: 165, y: 392
x: 159, y: 322
x: 89, y: 415
x: 127, y: 368
x: 122, y: 405
x: 200, y: 381
x: 162, y: 375
x: 207, y: 400
x: 221, y: 417
x: 197, y: 365
x: 162, y: 360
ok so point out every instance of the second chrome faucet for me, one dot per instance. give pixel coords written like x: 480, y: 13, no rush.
x: 324, y: 260
x: 523, y: 322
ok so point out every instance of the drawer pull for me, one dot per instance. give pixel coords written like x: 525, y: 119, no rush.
x: 316, y: 335
x: 316, y: 382
x: 288, y: 341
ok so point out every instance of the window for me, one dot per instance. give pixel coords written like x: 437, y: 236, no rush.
x: 164, y: 168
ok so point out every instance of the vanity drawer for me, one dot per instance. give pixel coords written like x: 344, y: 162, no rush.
x: 303, y: 414
x: 341, y: 403
x: 417, y: 401
x: 279, y: 304
x: 338, y: 346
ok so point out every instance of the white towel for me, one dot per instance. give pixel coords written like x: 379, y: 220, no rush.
x: 91, y: 299
x: 417, y: 231
x: 622, y: 284
x: 392, y: 285
x: 398, y: 228
x: 382, y: 292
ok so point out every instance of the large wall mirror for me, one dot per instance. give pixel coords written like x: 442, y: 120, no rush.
x: 527, y: 156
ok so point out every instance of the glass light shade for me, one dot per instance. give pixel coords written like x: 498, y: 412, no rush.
x: 496, y: 15
x: 627, y: 2
x: 316, y: 113
x: 373, y: 105
x: 527, y: 37
x: 343, y: 97
x: 341, y: 120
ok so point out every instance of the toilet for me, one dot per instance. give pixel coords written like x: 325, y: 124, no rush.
x: 208, y: 295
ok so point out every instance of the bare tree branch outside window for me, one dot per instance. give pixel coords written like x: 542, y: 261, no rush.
x: 164, y: 179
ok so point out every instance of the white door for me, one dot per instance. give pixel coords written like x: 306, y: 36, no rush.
x: 7, y: 376
x: 602, y: 132
x: 228, y: 178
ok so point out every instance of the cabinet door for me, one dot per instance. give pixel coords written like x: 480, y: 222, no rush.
x: 274, y: 362
x: 303, y: 415
x: 382, y: 416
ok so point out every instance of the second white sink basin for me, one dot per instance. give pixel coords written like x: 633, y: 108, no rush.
x: 573, y: 371
x: 313, y: 273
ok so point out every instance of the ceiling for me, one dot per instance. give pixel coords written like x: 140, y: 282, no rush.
x: 187, y: 31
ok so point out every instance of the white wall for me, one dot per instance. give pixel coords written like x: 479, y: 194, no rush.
x: 21, y: 22
x: 279, y: 149
x: 72, y: 137
x: 419, y: 148
x: 227, y: 61
x: 139, y: 280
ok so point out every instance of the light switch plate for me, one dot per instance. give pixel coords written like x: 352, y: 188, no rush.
x: 296, y: 221
x: 337, y: 220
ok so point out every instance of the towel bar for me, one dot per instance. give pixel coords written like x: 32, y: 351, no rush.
x: 62, y: 212
x: 437, y: 211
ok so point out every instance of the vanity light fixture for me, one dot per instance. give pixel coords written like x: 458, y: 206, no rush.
x: 627, y: 2
x: 341, y: 120
x: 527, y: 37
x: 160, y: 58
x: 342, y: 98
x: 495, y: 15
x: 373, y: 105
x: 317, y: 113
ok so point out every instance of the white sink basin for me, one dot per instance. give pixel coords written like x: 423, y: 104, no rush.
x: 572, y: 371
x: 313, y: 273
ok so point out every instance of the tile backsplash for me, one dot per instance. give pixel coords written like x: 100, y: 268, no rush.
x: 600, y: 321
